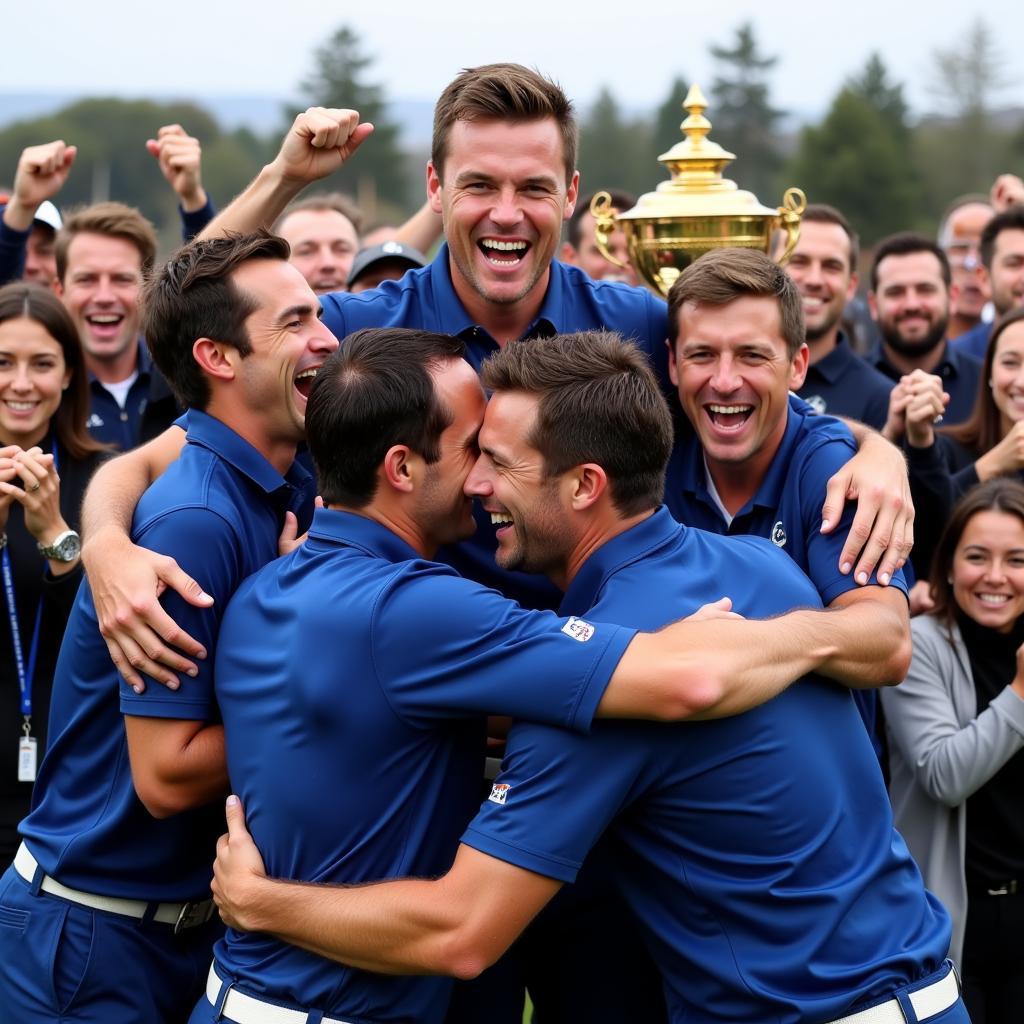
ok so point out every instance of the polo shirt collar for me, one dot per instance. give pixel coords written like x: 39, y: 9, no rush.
x: 209, y: 432
x: 635, y: 543
x: 832, y: 368
x: 950, y: 365
x: 769, y: 494
x: 457, y: 321
x: 353, y: 530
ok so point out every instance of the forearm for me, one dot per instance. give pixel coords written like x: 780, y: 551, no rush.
x: 714, y: 668
x: 258, y: 206
x: 396, y: 927
x: 17, y: 215
x: 421, y: 230
x: 873, y: 640
x: 117, y: 485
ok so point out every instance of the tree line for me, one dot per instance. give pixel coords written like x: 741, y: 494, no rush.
x: 867, y: 155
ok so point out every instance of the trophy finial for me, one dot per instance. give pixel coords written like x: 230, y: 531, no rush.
x: 696, y: 126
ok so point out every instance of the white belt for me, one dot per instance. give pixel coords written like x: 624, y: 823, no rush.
x: 181, y: 915
x: 245, y: 1009
x: 927, y: 1002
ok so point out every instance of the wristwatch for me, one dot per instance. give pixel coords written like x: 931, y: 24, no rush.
x: 66, y: 547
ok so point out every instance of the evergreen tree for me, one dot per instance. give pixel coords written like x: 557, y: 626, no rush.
x: 856, y: 161
x: 378, y: 172
x: 614, y: 150
x: 875, y: 88
x: 743, y: 120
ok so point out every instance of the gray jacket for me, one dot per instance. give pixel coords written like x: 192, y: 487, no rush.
x: 941, y: 751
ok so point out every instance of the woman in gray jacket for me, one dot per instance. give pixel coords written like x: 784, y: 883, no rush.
x: 956, y: 726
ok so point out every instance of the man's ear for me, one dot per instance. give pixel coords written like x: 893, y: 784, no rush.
x: 433, y: 187
x: 398, y: 469
x: 214, y: 358
x: 586, y: 483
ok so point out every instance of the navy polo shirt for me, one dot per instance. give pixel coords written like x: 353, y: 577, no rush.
x: 217, y: 510
x: 149, y: 409
x: 353, y: 677
x: 757, y: 851
x: 959, y: 373
x: 974, y: 342
x: 786, y: 508
x: 842, y: 384
x: 425, y: 298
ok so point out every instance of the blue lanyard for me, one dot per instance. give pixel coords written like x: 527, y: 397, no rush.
x: 26, y: 668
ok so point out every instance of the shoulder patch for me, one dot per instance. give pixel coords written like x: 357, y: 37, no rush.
x: 817, y: 403
x: 499, y: 791
x: 779, y: 535
x: 578, y: 629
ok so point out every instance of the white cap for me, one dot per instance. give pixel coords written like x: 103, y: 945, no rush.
x: 48, y: 214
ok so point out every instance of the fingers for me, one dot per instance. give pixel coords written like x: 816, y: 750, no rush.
x: 170, y: 573
x: 141, y: 652
x: 289, y: 534
x: 836, y: 493
x: 236, y: 818
x: 888, y: 536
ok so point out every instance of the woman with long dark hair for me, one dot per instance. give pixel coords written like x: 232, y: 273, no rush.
x: 46, y: 459
x: 956, y: 730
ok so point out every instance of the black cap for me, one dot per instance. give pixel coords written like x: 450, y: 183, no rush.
x: 386, y: 251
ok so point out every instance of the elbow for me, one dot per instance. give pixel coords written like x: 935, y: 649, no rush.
x: 695, y: 692
x: 466, y: 952
x: 160, y: 798
x: 894, y: 668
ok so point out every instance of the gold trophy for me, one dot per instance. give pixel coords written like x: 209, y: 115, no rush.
x: 696, y: 210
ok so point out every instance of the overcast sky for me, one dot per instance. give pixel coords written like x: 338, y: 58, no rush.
x: 195, y: 47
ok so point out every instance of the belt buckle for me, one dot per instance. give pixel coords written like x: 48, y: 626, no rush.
x: 192, y: 915
x: 1006, y: 889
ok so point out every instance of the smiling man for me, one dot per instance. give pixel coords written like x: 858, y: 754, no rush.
x: 755, y: 465
x: 758, y: 851
x: 104, y: 252
x: 824, y: 269
x: 113, y: 871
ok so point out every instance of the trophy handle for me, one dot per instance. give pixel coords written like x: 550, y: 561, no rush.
x: 794, y: 202
x: 604, y: 224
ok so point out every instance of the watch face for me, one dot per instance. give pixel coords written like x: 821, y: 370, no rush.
x: 67, y: 549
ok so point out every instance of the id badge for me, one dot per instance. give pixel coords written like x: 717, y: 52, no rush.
x: 27, y: 759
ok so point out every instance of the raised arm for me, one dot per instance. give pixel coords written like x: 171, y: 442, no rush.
x: 127, y: 580
x: 458, y: 924
x: 319, y: 141
x: 421, y: 230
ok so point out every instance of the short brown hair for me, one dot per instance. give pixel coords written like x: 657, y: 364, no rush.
x: 502, y: 92
x: 1011, y: 219
x: 192, y: 296
x: 113, y: 219
x: 908, y: 243
x: 822, y: 213
x: 44, y: 308
x: 318, y: 202
x: 725, y: 275
x: 598, y: 401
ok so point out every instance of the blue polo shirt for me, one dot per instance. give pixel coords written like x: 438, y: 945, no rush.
x: 974, y: 342
x: 842, y: 384
x: 786, y: 509
x: 217, y: 510
x: 353, y: 677
x: 958, y: 370
x: 149, y: 409
x: 758, y: 851
x: 425, y: 298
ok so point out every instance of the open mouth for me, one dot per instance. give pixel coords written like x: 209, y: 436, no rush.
x: 994, y: 600
x: 304, y: 380
x: 501, y: 253
x: 105, y: 325
x: 728, y: 417
x: 502, y: 522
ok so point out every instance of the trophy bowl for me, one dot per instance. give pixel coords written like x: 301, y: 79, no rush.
x: 695, y: 211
